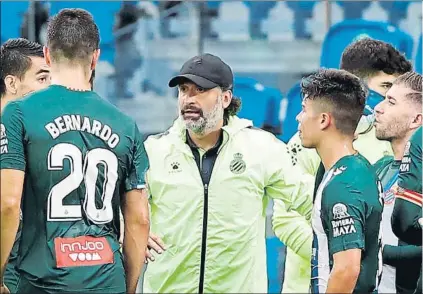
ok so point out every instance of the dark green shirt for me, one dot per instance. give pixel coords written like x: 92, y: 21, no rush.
x: 408, y: 204
x: 80, y: 154
x: 401, y: 261
x: 347, y: 214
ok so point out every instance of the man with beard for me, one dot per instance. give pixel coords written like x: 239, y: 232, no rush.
x: 23, y: 70
x: 397, y: 118
x: 407, y: 221
x: 347, y: 209
x: 210, y: 178
x: 377, y: 64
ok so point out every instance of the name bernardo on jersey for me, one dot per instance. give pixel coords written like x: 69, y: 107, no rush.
x: 66, y: 123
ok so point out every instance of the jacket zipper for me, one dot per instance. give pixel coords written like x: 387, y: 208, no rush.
x: 204, y: 239
x: 205, y: 220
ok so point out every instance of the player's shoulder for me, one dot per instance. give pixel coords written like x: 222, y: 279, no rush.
x: 353, y: 171
x: 416, y: 139
x: 383, y: 163
x: 43, y: 94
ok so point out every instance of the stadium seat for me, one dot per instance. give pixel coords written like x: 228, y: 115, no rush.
x: 272, y: 121
x: 259, y: 11
x: 277, y: 27
x: 375, y: 12
x: 397, y: 10
x: 303, y: 11
x: 290, y: 124
x: 232, y: 22
x: 418, y: 58
x: 317, y: 24
x: 354, y: 9
x: 254, y: 100
x: 413, y: 22
x: 342, y: 34
x: 11, y: 18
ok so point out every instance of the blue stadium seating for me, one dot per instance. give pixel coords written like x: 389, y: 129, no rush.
x: 303, y: 10
x: 273, y: 108
x: 275, y: 253
x: 11, y: 18
x: 254, y: 100
x: 290, y: 125
x: 259, y: 104
x: 342, y: 34
x: 418, y: 59
x: 397, y: 10
x: 353, y: 9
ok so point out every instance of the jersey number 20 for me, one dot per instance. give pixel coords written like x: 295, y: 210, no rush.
x: 86, y: 171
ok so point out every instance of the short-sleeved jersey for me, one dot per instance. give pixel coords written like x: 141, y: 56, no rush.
x: 408, y: 204
x: 80, y: 154
x: 400, y: 269
x: 347, y: 213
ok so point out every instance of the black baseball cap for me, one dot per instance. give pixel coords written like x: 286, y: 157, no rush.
x: 207, y: 71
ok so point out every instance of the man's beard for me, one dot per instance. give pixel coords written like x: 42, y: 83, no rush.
x: 207, y: 121
x: 396, y: 129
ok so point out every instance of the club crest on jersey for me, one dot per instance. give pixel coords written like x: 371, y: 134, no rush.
x: 343, y: 223
x: 3, y: 140
x: 237, y: 165
x: 389, y: 196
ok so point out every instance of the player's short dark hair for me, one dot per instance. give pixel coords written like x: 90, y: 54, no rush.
x: 365, y: 58
x: 342, y: 92
x: 16, y: 59
x: 412, y: 81
x: 72, y: 35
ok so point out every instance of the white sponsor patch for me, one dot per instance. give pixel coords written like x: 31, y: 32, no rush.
x: 343, y: 223
x: 3, y: 140
x: 340, y: 211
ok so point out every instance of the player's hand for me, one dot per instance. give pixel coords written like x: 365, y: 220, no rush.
x: 4, y: 289
x: 154, y: 244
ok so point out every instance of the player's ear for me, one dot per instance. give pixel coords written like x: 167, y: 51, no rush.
x: 324, y: 120
x: 417, y: 121
x: 226, y: 98
x: 96, y: 56
x: 47, y: 55
x: 12, y: 84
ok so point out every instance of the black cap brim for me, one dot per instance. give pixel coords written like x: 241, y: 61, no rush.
x: 199, y: 81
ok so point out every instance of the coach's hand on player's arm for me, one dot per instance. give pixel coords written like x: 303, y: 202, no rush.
x: 155, y: 244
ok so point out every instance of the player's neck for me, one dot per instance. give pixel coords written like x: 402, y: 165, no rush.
x: 74, y: 78
x: 333, y: 148
x: 398, y: 145
x: 207, y: 141
x: 5, y: 100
